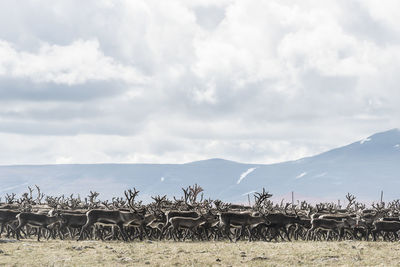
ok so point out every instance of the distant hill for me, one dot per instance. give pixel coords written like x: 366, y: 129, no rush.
x: 362, y: 168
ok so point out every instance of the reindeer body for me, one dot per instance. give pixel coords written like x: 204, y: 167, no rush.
x: 385, y: 226
x: 39, y: 220
x: 190, y: 224
x: 7, y: 217
x: 110, y: 217
x: 329, y: 225
x: 177, y: 213
x: 72, y: 221
x: 239, y: 219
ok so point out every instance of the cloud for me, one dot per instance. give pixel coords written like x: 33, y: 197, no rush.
x: 77, y: 63
x: 140, y: 81
x: 24, y: 89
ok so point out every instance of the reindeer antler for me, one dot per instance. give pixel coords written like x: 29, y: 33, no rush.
x: 159, y: 200
x: 351, y: 198
x: 130, y: 196
x: 261, y: 197
x: 40, y: 195
x: 378, y: 206
x: 194, y: 191
x: 186, y: 193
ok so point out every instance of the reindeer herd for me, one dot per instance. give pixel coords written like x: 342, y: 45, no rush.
x: 193, y: 217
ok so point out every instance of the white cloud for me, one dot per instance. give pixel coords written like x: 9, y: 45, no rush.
x: 76, y: 63
x: 207, y: 95
x: 140, y: 81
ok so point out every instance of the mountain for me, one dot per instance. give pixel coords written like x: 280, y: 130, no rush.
x: 363, y: 168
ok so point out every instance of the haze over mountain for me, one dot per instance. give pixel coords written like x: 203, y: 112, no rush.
x: 363, y: 168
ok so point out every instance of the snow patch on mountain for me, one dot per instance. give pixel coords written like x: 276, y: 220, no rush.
x: 244, y: 175
x: 397, y: 146
x: 248, y: 193
x: 365, y: 140
x: 301, y: 175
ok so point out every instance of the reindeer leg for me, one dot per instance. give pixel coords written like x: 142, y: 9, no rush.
x: 374, y: 234
x: 285, y: 230
x: 166, y: 226
x: 172, y: 232
x: 60, y: 231
x: 2, y: 228
x: 17, y: 230
x: 70, y: 232
x: 228, y: 231
x: 49, y: 232
x: 309, y: 232
x: 83, y: 230
x: 121, y: 228
x: 9, y: 230
x: 249, y: 232
x: 190, y: 230
x: 39, y: 233
x: 25, y: 232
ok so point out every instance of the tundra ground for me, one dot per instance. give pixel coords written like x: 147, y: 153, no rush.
x: 169, y: 253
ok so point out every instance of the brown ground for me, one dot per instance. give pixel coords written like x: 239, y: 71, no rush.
x: 167, y: 253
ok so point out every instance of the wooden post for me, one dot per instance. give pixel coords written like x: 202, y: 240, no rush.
x: 381, y: 196
x: 338, y: 204
x: 248, y: 198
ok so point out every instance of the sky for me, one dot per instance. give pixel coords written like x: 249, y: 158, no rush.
x: 177, y: 81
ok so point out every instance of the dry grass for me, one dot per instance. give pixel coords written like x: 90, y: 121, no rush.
x: 96, y: 253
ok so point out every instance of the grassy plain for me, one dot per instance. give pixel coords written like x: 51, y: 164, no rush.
x: 169, y: 253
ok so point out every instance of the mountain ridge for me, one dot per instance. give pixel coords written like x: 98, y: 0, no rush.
x: 363, y: 168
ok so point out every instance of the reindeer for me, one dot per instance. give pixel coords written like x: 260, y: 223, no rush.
x: 143, y: 222
x: 329, y: 225
x: 75, y: 221
x: 387, y: 227
x: 243, y: 220
x: 367, y: 219
x: 191, y: 224
x: 176, y: 213
x: 282, y: 221
x: 7, y: 217
x: 115, y: 217
x: 41, y: 221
